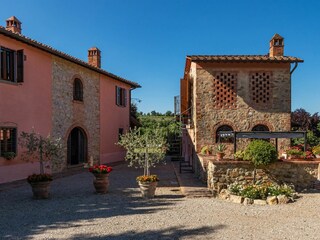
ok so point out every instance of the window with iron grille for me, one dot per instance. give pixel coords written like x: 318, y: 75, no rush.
x: 224, y: 138
x: 260, y: 88
x: 8, y: 140
x: 121, y: 97
x: 11, y: 65
x: 225, y: 90
x: 77, y: 90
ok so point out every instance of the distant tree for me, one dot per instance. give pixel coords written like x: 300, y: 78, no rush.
x: 300, y: 119
x: 134, y: 110
x: 168, y: 113
x: 154, y: 113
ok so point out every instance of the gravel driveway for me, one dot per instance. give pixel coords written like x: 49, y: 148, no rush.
x: 76, y: 212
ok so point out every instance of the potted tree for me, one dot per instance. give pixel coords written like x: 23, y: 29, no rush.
x: 42, y: 149
x: 145, y: 150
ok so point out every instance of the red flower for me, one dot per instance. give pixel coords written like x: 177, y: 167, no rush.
x: 100, y: 169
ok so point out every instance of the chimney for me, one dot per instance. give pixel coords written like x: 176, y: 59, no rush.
x: 94, y: 57
x: 13, y: 25
x: 276, y: 46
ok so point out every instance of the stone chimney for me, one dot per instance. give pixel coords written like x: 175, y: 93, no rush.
x: 276, y: 46
x: 94, y: 57
x: 13, y: 25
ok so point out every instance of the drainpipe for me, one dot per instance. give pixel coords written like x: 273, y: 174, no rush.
x: 294, y: 68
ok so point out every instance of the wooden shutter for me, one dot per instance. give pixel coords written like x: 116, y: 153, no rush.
x: 117, y: 96
x: 124, y: 97
x: 20, y: 60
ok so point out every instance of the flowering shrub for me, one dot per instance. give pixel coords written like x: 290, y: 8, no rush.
x: 150, y: 178
x: 297, y: 151
x: 316, y: 150
x: 100, y: 169
x: 39, y: 178
x: 260, y: 191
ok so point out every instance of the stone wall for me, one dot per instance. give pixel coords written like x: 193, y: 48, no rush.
x: 301, y: 174
x: 68, y: 113
x: 242, y: 114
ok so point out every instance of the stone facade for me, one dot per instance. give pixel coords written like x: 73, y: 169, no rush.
x: 300, y: 174
x: 68, y: 113
x: 244, y: 113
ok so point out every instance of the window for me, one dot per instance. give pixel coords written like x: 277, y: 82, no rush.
x: 260, y: 128
x: 121, y: 96
x: 224, y: 138
x: 11, y: 65
x: 120, y: 133
x: 225, y: 90
x: 8, y: 140
x: 261, y: 89
x: 77, y: 90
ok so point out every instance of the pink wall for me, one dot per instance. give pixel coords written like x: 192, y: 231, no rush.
x: 28, y: 105
x: 112, y: 117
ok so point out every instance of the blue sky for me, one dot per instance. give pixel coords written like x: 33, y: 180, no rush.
x: 147, y: 41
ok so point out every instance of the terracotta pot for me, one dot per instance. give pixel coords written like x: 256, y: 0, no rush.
x: 40, y: 189
x: 148, y: 189
x: 101, y: 182
x: 220, y: 155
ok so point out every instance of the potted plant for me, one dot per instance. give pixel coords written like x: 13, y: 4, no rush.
x: 42, y: 149
x: 207, y: 150
x: 316, y: 151
x: 9, y: 155
x: 145, y: 150
x: 220, y: 151
x: 101, y: 181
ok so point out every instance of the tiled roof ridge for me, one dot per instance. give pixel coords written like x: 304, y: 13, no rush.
x: 264, y: 58
x: 66, y: 56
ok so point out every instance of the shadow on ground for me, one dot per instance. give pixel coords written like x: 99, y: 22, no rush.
x: 73, y: 200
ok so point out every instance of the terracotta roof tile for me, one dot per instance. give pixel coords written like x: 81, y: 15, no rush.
x: 44, y: 47
x: 243, y: 58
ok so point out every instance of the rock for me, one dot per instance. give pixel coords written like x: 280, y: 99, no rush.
x: 247, y: 201
x: 235, y: 199
x: 283, y: 199
x: 259, y: 202
x: 272, y: 200
x: 224, y: 194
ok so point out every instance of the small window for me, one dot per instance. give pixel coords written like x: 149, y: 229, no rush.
x: 11, y: 65
x: 224, y: 137
x: 121, y: 97
x: 8, y: 140
x: 120, y: 133
x: 260, y: 128
x: 77, y: 90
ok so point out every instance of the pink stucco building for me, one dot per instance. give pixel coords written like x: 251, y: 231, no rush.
x: 54, y: 93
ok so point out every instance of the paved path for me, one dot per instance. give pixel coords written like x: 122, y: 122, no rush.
x: 76, y: 212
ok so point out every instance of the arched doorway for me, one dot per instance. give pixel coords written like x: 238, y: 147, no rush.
x: 77, y: 146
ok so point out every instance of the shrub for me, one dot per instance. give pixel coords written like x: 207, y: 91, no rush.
x: 316, y: 150
x: 239, y: 155
x: 260, y: 152
x: 260, y: 191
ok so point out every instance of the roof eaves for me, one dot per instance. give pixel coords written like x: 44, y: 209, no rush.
x: 68, y: 57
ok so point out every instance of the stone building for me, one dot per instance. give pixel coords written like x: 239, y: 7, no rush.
x: 54, y: 93
x: 235, y: 93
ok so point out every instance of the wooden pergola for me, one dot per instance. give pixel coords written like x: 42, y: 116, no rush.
x: 262, y: 135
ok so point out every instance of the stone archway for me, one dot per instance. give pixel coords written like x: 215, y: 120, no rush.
x: 77, y: 146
